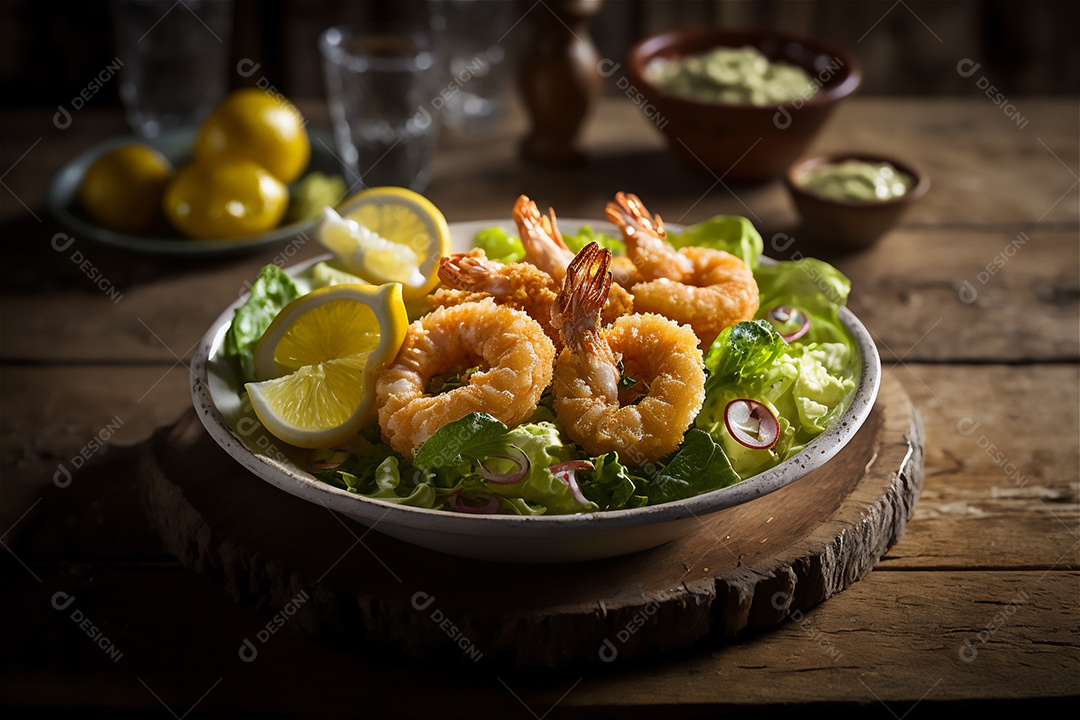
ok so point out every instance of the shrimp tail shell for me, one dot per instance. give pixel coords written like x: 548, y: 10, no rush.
x: 587, y: 283
x: 630, y: 214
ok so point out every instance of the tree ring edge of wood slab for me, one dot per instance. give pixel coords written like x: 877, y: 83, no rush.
x: 714, y: 585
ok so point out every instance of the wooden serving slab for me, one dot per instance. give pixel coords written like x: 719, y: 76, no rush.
x: 747, y: 567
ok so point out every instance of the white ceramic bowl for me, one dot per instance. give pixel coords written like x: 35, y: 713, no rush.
x: 564, y: 538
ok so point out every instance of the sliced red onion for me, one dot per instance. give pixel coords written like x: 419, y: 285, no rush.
x: 329, y: 458
x: 518, y: 457
x: 490, y: 507
x: 751, y: 424
x: 572, y: 465
x: 565, y: 472
x: 785, y: 315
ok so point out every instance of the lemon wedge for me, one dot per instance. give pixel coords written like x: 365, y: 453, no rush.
x: 318, y: 360
x: 388, y: 234
x: 324, y: 275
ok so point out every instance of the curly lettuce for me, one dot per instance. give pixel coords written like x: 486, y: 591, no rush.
x: 731, y: 233
x: 271, y: 291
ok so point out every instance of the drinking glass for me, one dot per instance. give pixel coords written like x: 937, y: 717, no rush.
x: 175, y: 60
x: 481, y: 54
x: 382, y: 85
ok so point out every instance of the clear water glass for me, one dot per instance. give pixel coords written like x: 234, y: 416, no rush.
x: 175, y: 59
x: 482, y: 56
x: 382, y: 85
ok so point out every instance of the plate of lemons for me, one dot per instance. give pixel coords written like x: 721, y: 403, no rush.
x: 251, y: 174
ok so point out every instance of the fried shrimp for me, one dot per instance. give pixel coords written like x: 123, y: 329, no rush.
x: 469, y: 277
x: 661, y: 355
x: 705, y: 288
x: 545, y: 248
x: 514, y: 354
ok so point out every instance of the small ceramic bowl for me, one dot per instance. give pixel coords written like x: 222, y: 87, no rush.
x: 743, y: 142
x: 850, y: 224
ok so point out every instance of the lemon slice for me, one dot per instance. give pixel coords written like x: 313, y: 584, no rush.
x: 388, y: 234
x: 318, y: 361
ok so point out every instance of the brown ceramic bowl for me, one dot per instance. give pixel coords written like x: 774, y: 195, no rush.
x: 743, y: 142
x: 847, y: 223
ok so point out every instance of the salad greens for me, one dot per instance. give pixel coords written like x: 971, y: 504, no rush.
x: 270, y: 293
x: 452, y: 462
x: 730, y: 233
x: 795, y: 359
x: 499, y: 245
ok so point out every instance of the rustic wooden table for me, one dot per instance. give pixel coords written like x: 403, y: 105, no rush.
x: 974, y: 303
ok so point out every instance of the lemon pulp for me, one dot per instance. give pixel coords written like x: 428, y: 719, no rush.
x: 318, y: 361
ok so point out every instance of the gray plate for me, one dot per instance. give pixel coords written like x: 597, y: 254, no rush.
x: 564, y: 538
x: 176, y: 147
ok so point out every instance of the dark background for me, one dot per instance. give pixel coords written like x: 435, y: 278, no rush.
x: 52, y: 48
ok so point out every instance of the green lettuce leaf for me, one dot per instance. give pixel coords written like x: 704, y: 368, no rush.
x: 500, y: 246
x: 812, y: 285
x: 578, y: 240
x: 611, y: 485
x: 699, y: 466
x: 806, y: 386
x: 743, y: 353
x: 378, y: 473
x: 731, y: 233
x: 391, y: 488
x: 473, y: 437
x: 271, y: 291
x: 544, y: 447
x: 454, y: 451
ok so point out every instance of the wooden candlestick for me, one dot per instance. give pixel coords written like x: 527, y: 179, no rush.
x: 560, y: 80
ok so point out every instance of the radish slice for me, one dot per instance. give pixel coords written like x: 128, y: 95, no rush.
x: 518, y: 458
x: 490, y: 507
x: 751, y: 424
x: 565, y: 472
x: 785, y: 317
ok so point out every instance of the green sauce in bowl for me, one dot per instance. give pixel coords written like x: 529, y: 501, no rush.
x: 738, y: 76
x: 857, y: 181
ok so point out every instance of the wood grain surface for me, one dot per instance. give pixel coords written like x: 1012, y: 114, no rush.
x: 745, y: 568
x: 991, y: 553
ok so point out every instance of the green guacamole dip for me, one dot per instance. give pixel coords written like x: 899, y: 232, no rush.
x: 856, y: 180
x: 740, y: 76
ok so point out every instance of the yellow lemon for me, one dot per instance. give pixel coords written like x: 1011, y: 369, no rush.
x: 251, y: 124
x: 318, y: 361
x: 388, y: 234
x: 225, y: 199
x: 122, y: 189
